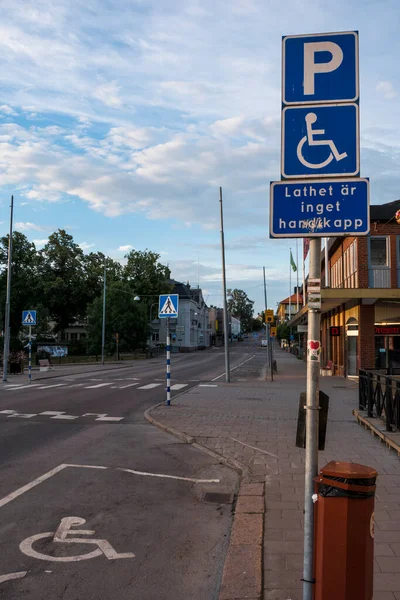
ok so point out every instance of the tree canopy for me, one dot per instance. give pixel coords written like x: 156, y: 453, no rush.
x: 241, y: 307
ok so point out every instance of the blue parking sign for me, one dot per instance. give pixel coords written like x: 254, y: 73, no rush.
x: 320, y: 141
x: 320, y: 68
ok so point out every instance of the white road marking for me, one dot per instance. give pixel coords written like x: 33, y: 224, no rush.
x: 23, y: 387
x: 237, y: 366
x: 111, y: 419
x: 254, y: 447
x: 122, y: 387
x: 94, y: 415
x: 52, y: 413
x: 76, y: 385
x: 66, y: 417
x: 149, y: 386
x: 13, y: 495
x: 31, y: 485
x: 61, y: 537
x: 17, y: 415
x: 46, y: 387
x: 208, y: 385
x: 178, y: 386
x: 7, y: 412
x: 170, y: 476
x: 18, y: 575
x: 99, y: 385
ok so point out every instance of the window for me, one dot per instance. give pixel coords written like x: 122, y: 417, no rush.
x: 378, y: 252
x: 73, y: 336
x: 155, y: 337
x: 350, y: 266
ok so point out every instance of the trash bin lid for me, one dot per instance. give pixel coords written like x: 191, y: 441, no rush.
x: 346, y: 470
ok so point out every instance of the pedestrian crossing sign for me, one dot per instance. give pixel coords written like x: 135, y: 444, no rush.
x: 168, y: 306
x: 29, y: 317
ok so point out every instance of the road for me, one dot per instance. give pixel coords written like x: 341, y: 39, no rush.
x: 79, y: 446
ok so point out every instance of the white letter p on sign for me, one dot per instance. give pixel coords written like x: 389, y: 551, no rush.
x: 311, y: 67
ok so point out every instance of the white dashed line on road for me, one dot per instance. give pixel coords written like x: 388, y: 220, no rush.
x: 122, y: 387
x: 178, y: 386
x: 149, y: 386
x: 98, y: 385
x: 54, y: 385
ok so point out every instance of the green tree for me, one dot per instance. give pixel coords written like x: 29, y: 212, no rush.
x: 146, y: 276
x: 241, y: 307
x: 63, y: 279
x: 283, y: 331
x: 25, y: 288
x: 93, y: 273
x: 124, y: 316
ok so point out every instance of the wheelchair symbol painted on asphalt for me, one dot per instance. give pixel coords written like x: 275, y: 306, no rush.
x: 311, y: 118
x: 61, y: 536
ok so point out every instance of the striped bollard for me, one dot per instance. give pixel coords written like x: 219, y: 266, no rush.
x: 168, y: 365
x: 30, y: 355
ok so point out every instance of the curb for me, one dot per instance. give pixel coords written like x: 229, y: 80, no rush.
x: 382, y: 435
x: 242, y: 573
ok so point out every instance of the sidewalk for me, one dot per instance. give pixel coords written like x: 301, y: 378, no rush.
x: 254, y: 422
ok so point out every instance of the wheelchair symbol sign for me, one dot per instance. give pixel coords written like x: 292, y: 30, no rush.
x: 320, y: 141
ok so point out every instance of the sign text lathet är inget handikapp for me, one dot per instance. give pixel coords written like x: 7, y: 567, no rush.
x: 319, y: 208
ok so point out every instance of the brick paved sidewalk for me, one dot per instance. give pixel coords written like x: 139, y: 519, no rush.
x: 254, y: 422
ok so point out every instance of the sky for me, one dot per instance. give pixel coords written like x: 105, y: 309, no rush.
x: 120, y: 119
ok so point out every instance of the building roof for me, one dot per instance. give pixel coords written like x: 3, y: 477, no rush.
x: 293, y: 299
x: 384, y: 212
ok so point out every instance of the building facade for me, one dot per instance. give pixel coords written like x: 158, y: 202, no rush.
x: 360, y: 314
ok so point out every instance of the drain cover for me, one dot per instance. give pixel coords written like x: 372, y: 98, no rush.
x: 216, y: 498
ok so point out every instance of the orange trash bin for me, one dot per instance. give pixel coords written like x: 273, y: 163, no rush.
x: 344, y: 532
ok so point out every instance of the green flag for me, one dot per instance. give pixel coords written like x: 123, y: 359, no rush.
x: 292, y: 263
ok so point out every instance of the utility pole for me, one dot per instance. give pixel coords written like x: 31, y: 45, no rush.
x: 8, y: 294
x: 267, y: 336
x: 312, y: 407
x: 226, y: 332
x: 103, y: 329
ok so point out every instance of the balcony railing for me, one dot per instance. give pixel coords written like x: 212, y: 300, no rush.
x: 379, y: 395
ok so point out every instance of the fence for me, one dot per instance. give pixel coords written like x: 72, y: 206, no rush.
x: 379, y: 395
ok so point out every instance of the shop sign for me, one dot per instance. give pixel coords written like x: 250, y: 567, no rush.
x: 387, y: 330
x: 334, y: 331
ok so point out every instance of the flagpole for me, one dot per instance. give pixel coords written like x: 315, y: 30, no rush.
x: 297, y: 276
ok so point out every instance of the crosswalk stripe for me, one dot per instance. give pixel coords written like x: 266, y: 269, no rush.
x: 178, y: 386
x: 149, y: 386
x: 65, y: 417
x: 23, y: 387
x: 46, y: 387
x: 111, y: 419
x: 99, y: 385
x: 122, y: 387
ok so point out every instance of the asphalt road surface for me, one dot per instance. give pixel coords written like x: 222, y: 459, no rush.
x: 95, y: 503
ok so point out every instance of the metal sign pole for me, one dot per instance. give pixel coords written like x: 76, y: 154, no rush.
x: 8, y: 294
x: 168, y: 365
x: 226, y: 331
x: 312, y: 407
x: 30, y: 355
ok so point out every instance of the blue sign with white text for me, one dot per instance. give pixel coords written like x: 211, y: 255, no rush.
x: 320, y: 68
x: 168, y: 306
x: 320, y: 141
x: 307, y: 208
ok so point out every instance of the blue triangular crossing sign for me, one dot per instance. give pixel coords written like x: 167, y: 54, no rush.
x: 168, y: 306
x: 29, y: 317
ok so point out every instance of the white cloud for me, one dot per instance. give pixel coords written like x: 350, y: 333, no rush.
x: 85, y: 246
x: 386, y: 89
x: 7, y: 110
x: 108, y: 94
x: 125, y: 248
x: 40, y: 243
x: 26, y: 226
